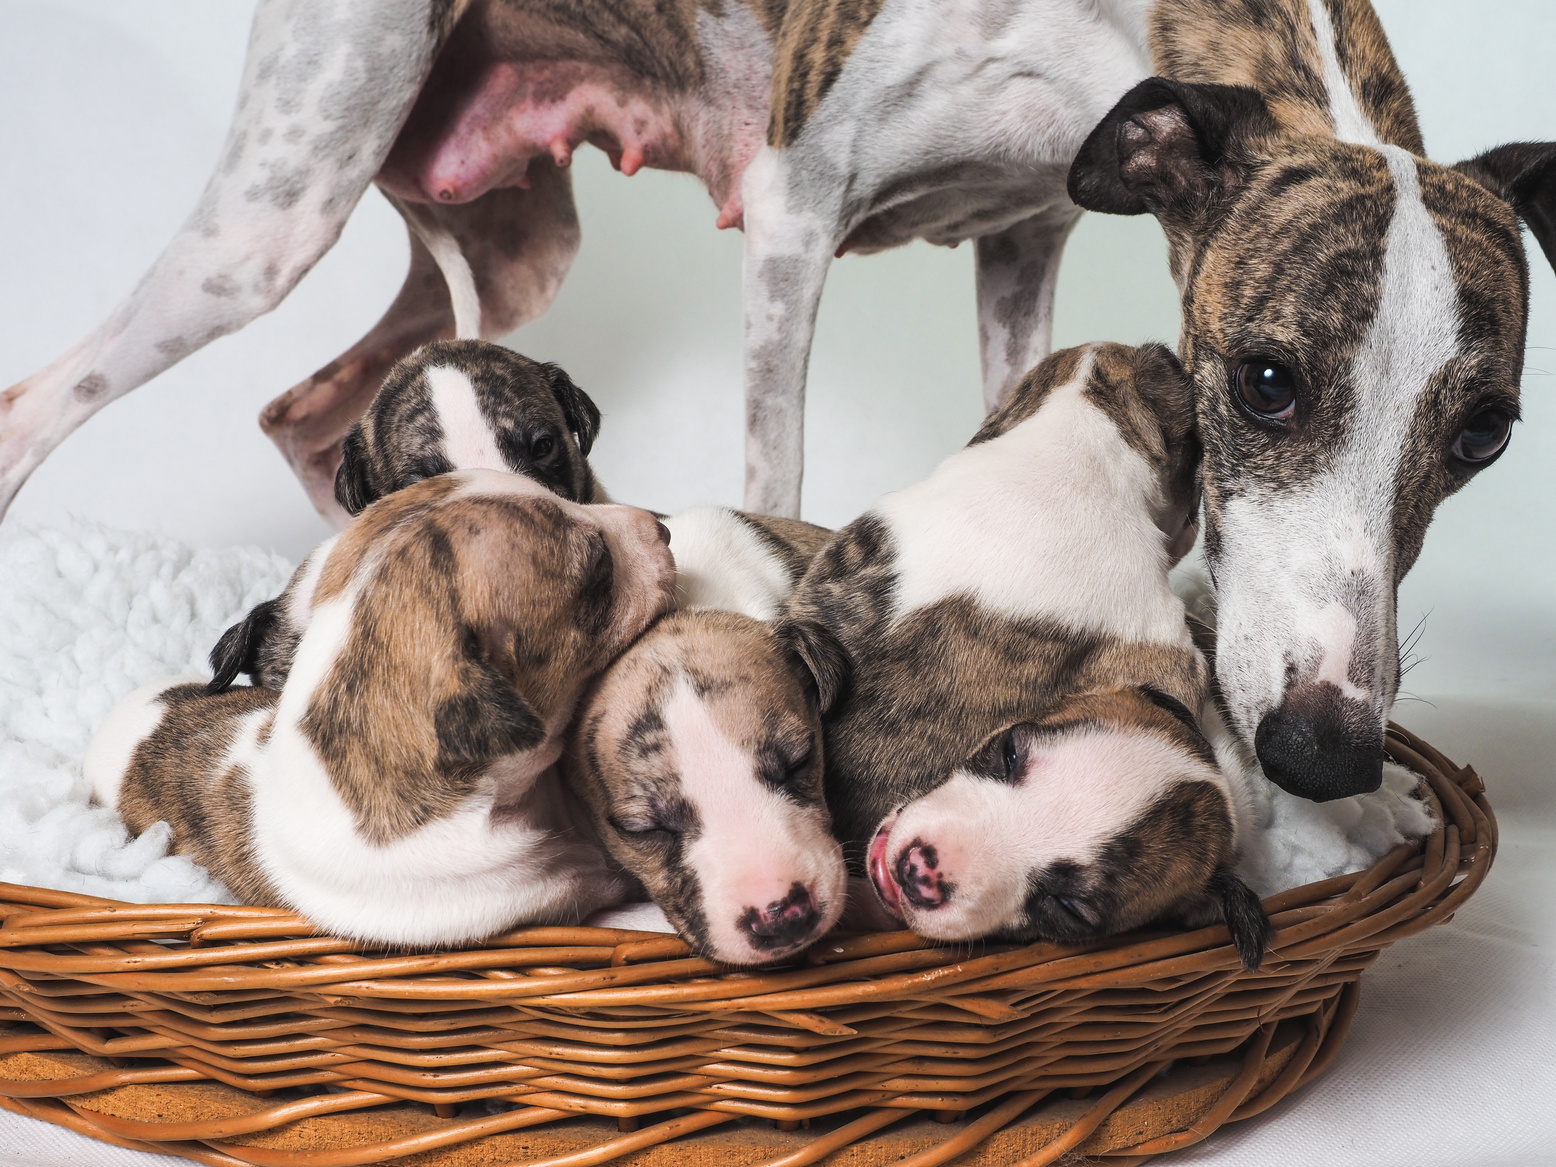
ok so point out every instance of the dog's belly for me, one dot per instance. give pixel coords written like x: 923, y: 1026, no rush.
x: 514, y: 85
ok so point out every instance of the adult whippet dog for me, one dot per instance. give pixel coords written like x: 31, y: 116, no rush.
x: 1353, y: 314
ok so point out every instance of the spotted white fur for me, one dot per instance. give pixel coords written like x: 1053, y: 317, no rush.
x: 1050, y: 519
x: 721, y: 562
x: 754, y: 842
x: 1306, y: 574
x: 131, y: 721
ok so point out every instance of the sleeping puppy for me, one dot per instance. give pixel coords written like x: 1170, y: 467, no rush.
x: 450, y: 405
x: 699, y: 754
x: 1008, y: 685
x: 401, y: 788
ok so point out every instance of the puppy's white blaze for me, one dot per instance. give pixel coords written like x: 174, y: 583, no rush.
x: 460, y: 877
x: 131, y: 721
x: 720, y: 562
x: 990, y: 837
x: 1289, y: 556
x: 1050, y: 519
x: 468, y: 440
x: 755, y: 844
x: 1350, y: 124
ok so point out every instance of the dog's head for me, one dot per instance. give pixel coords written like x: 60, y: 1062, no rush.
x: 1105, y: 815
x: 467, y: 404
x: 455, y: 624
x: 699, y: 754
x: 1353, y: 321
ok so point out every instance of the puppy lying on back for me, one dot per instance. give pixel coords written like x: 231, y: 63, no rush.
x: 699, y: 755
x: 1009, y: 687
x: 401, y: 788
x: 450, y: 405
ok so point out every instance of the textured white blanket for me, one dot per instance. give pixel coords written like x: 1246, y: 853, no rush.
x: 87, y: 614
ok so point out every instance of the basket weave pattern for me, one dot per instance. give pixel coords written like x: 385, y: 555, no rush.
x: 237, y: 1035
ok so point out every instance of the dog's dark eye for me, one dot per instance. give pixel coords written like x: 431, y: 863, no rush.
x: 543, y: 446
x: 1010, y: 756
x: 1483, y: 437
x: 644, y: 830
x: 1072, y: 909
x: 1266, y: 389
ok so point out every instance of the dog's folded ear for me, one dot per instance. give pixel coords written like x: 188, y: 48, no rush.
x: 1170, y: 147
x: 1524, y: 174
x: 238, y: 649
x: 583, y: 416
x: 353, y: 490
x: 485, y: 719
x: 821, y: 655
x: 1243, y: 914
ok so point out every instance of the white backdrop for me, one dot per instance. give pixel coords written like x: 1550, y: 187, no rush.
x: 112, y: 112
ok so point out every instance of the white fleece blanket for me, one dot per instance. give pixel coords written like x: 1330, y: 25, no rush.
x: 88, y: 613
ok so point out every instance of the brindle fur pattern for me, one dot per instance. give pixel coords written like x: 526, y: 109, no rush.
x: 400, y: 439
x: 181, y: 774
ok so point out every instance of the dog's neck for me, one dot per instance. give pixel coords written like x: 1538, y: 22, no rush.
x: 1324, y: 66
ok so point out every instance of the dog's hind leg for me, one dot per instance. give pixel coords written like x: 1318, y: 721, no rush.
x: 326, y: 86
x: 790, y: 238
x: 1017, y: 271
x: 511, y: 246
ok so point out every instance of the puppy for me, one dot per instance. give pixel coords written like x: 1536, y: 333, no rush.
x: 738, y: 562
x: 699, y: 755
x: 401, y: 788
x: 450, y: 405
x: 1008, y: 683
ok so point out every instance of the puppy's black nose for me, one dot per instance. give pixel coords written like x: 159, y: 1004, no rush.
x: 1321, y: 745
x: 783, y: 922
x: 919, y: 876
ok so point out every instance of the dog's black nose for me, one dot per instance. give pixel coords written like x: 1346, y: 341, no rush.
x: 1321, y: 745
x: 919, y: 875
x: 783, y: 922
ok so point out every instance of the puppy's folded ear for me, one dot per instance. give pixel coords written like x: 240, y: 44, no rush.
x: 1243, y: 914
x: 485, y: 720
x: 238, y: 649
x: 821, y: 654
x: 583, y: 416
x: 352, y: 489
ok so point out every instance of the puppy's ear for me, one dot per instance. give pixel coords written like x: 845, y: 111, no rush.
x: 1524, y: 174
x: 1170, y: 148
x: 1167, y: 390
x: 821, y: 654
x: 1243, y: 914
x: 485, y: 720
x: 238, y: 649
x: 352, y: 489
x: 583, y: 416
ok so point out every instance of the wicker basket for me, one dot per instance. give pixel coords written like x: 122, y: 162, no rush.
x: 239, y: 1036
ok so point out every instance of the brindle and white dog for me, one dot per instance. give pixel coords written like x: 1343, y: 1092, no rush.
x: 450, y: 405
x: 699, y: 754
x: 1009, y: 686
x: 1353, y: 314
x: 402, y: 788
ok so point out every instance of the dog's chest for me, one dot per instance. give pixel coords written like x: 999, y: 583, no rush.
x: 1048, y: 521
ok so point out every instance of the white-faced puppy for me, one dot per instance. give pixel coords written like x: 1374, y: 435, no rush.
x: 699, y: 754
x: 450, y: 405
x: 1013, y: 609
x: 401, y: 788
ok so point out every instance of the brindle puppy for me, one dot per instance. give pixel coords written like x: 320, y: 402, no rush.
x: 402, y: 787
x: 1013, y: 608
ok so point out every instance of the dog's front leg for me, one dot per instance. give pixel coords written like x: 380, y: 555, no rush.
x: 790, y: 239
x: 325, y: 88
x: 1018, y: 269
x: 515, y: 245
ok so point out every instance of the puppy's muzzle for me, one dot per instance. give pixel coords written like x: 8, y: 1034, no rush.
x: 1321, y: 745
x: 918, y: 876
x: 783, y: 923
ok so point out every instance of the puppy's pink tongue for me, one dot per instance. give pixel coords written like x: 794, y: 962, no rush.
x: 880, y: 872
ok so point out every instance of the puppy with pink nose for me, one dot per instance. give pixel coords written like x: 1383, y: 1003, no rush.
x: 1009, y: 688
